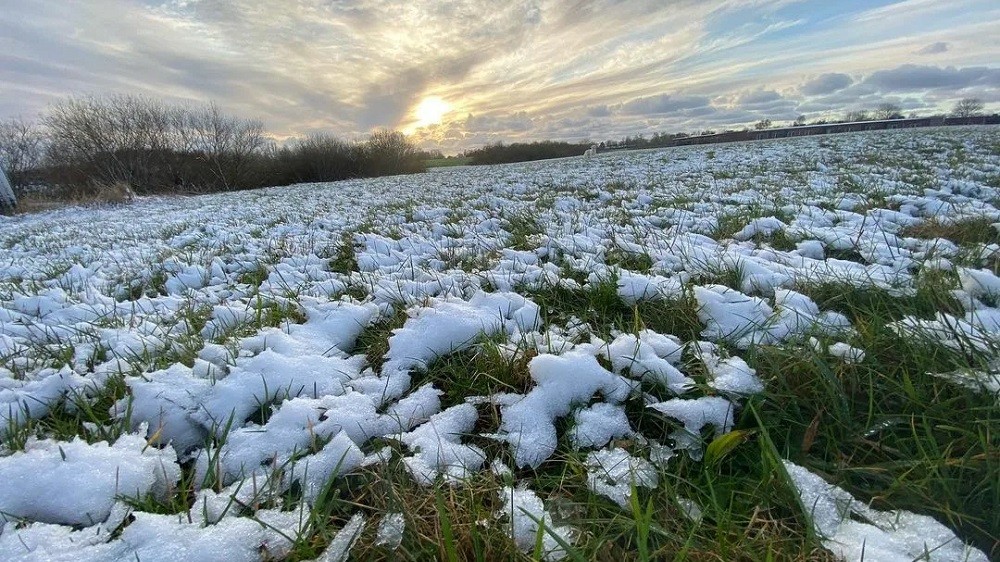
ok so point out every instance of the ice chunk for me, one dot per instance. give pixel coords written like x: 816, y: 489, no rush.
x: 614, y: 473
x: 390, y: 531
x: 339, y: 549
x: 525, y: 511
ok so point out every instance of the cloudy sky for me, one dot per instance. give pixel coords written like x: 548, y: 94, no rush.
x: 462, y: 73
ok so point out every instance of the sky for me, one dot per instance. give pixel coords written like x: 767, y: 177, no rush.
x: 460, y: 74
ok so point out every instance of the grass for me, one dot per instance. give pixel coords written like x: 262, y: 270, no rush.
x: 448, y: 162
x: 885, y: 429
x: 57, y: 198
x: 963, y: 233
x: 483, y: 370
x: 599, y: 305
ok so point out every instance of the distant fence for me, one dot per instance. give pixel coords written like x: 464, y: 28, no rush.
x: 824, y: 129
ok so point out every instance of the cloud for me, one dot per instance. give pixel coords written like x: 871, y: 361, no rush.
x: 756, y: 98
x: 826, y: 84
x: 663, y: 103
x: 911, y: 77
x: 525, y: 69
x: 599, y: 111
x: 515, y: 122
x: 934, y: 48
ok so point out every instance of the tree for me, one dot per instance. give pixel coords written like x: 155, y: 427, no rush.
x: 120, y: 138
x: 857, y: 115
x: 228, y: 144
x: 762, y: 124
x: 799, y: 121
x: 968, y: 107
x: 887, y: 110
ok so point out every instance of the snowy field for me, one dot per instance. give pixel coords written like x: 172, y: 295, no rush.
x: 713, y: 352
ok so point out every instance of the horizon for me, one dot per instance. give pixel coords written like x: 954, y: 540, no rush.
x: 471, y: 73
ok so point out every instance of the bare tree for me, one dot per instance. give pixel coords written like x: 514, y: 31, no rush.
x: 762, y: 124
x: 21, y: 151
x: 887, y: 110
x: 120, y: 138
x: 857, y: 115
x: 799, y: 121
x: 968, y: 107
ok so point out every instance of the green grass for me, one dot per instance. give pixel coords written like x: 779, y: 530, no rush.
x: 448, y: 162
x: 886, y: 429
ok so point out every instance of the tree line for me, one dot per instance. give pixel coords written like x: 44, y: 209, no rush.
x: 87, y: 144
x: 968, y: 107
x: 500, y: 153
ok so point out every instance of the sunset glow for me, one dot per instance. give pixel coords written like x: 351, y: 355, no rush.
x: 462, y: 74
x: 431, y: 110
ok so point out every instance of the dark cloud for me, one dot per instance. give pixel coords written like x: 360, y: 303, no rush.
x: 663, y: 103
x: 757, y: 97
x: 934, y: 49
x: 599, y: 111
x: 516, y: 122
x: 912, y: 77
x: 826, y: 84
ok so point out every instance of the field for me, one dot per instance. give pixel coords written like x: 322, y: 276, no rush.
x: 448, y: 162
x: 768, y: 351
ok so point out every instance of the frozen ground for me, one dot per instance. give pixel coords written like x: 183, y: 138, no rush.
x: 187, y: 378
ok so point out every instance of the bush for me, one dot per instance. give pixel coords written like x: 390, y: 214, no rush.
x: 522, y: 152
x: 315, y: 159
x: 389, y: 153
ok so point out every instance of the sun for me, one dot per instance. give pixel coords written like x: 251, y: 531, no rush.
x: 430, y: 111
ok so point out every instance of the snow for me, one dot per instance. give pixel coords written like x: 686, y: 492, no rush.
x: 886, y: 536
x: 238, y: 339
x: 528, y: 425
x: 730, y: 375
x: 74, y: 483
x: 650, y: 355
x: 598, y: 424
x: 613, y: 473
x: 525, y: 511
x: 438, y: 449
x: 695, y: 414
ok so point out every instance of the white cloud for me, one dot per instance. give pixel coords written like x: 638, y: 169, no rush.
x: 524, y: 69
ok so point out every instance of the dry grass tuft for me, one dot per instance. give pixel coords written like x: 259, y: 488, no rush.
x: 116, y: 193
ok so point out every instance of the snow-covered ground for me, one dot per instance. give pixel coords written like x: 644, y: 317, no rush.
x: 215, y: 308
